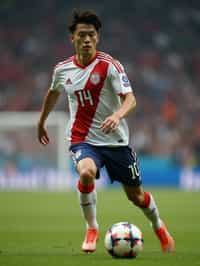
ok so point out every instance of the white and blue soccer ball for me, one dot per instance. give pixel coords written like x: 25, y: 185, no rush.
x: 124, y: 240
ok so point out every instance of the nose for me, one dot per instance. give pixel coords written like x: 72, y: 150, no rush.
x: 87, y: 39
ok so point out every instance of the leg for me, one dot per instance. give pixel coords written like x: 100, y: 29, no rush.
x: 145, y: 201
x: 87, y: 196
x: 122, y: 165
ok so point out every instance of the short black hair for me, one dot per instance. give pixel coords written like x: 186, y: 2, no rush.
x: 85, y: 17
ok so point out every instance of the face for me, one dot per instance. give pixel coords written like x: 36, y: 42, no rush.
x: 85, y: 39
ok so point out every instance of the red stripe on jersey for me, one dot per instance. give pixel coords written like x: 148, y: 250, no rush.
x: 119, y: 69
x: 104, y: 54
x: 64, y: 62
x: 113, y: 61
x: 87, y: 106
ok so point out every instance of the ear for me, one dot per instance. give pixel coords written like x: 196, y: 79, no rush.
x: 98, y: 37
x: 71, y: 38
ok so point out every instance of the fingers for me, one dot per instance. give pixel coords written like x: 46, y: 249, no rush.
x: 44, y: 140
x: 109, y: 125
x: 43, y: 136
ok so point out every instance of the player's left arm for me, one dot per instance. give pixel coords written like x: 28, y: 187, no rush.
x: 121, y: 85
x: 112, y: 122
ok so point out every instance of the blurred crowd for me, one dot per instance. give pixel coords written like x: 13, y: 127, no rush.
x: 158, y: 44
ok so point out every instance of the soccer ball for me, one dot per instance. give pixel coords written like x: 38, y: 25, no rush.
x: 123, y: 240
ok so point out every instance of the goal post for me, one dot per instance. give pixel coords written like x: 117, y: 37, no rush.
x: 22, y: 156
x: 14, y: 121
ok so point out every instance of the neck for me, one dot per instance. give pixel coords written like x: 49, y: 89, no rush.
x: 84, y: 59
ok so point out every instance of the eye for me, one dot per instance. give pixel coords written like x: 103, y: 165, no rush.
x: 81, y: 34
x: 91, y: 34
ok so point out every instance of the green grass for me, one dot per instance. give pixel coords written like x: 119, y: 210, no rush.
x: 41, y: 228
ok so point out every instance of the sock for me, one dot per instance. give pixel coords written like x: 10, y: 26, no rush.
x: 88, y: 204
x: 150, y: 210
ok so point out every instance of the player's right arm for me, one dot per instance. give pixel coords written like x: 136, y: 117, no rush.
x: 48, y: 105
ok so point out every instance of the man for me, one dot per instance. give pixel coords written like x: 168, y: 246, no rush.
x: 100, y: 97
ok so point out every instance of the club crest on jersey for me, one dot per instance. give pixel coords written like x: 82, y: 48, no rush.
x: 68, y: 81
x: 95, y: 78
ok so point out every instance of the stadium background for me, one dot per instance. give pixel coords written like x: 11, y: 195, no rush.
x: 157, y: 42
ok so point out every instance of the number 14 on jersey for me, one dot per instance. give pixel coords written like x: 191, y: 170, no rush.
x: 84, y: 96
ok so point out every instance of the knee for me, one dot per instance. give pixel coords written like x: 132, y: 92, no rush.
x: 87, y: 174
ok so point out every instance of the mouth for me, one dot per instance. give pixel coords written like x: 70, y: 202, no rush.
x: 86, y: 47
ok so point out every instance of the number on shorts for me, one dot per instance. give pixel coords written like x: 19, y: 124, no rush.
x: 134, y: 170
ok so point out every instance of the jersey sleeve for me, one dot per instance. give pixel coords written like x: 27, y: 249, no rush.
x: 57, y: 82
x: 119, y: 79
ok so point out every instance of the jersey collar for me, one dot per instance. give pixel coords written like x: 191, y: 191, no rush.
x: 81, y: 66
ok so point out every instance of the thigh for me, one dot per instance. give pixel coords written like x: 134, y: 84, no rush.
x: 122, y: 166
x: 86, y: 156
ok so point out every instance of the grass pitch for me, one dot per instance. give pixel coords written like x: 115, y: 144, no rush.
x: 46, y: 228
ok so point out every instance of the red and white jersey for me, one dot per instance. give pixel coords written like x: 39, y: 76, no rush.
x: 93, y: 93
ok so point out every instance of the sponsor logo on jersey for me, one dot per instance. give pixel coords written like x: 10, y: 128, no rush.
x: 95, y: 78
x: 125, y: 81
x: 68, y: 81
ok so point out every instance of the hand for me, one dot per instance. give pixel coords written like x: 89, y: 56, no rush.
x: 42, y: 135
x: 111, y: 123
